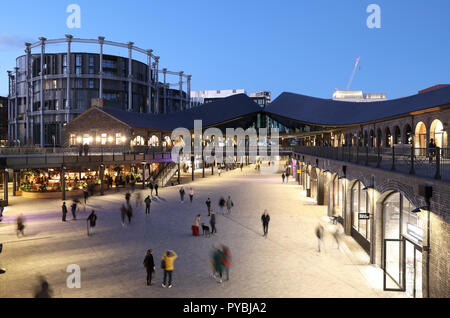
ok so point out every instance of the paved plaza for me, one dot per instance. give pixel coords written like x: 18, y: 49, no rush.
x: 285, y: 264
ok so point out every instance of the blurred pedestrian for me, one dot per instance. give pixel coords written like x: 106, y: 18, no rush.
x: 230, y: 204
x: 168, y: 260
x: 156, y: 188
x: 191, y: 194
x: 319, y: 235
x: 44, y: 290
x: 265, y: 219
x: 138, y: 199
x: 74, y: 210
x: 92, y: 220
x: 123, y: 214
x: 283, y: 177
x: 182, y: 194
x: 217, y: 259
x: 85, y: 195
x: 127, y: 197
x: 148, y: 201
x: 129, y: 213
x: 20, y: 226
x: 226, y: 260
x: 337, y: 233
x: 149, y: 265
x: 212, y: 222
x: 208, y: 205
x: 151, y: 188
x: 222, y: 203
x: 196, y: 226
x: 64, y: 212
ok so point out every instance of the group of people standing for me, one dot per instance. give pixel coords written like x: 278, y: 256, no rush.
x: 167, y: 264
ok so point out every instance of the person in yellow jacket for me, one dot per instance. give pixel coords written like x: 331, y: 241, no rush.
x: 168, y: 259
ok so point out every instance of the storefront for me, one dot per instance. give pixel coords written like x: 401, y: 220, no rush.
x: 402, y: 248
x: 361, y: 215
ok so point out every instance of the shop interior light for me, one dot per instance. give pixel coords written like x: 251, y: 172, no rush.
x: 110, y: 139
x: 97, y: 139
x: 124, y: 139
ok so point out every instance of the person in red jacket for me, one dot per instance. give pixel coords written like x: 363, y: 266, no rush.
x: 226, y: 260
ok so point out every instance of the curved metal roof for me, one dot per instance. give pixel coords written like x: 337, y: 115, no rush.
x: 237, y: 108
x: 289, y: 108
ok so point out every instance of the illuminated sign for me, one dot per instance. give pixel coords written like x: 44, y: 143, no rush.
x: 363, y: 216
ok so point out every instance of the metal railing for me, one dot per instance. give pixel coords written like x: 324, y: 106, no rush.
x: 424, y: 162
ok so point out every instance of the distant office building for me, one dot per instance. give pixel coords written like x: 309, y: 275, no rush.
x: 209, y: 96
x: 262, y: 98
x: 48, y: 90
x: 358, y: 96
x: 3, y: 121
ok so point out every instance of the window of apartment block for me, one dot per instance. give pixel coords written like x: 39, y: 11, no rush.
x: 118, y: 138
x: 103, y: 139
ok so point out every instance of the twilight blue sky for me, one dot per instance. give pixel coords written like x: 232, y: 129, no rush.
x: 306, y: 47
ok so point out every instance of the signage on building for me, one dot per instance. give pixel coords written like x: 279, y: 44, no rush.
x: 363, y: 216
x: 299, y: 171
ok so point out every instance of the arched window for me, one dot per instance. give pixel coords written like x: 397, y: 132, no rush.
x: 387, y: 137
x: 420, y: 136
x: 407, y: 135
x: 397, y: 135
x: 361, y: 205
x: 167, y: 141
x: 379, y: 137
x: 138, y: 141
x: 403, y: 237
x: 438, y: 133
x: 371, y: 139
x: 366, y: 139
x: 154, y: 141
x: 338, y: 193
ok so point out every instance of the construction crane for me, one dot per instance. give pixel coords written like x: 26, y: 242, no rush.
x: 353, y: 73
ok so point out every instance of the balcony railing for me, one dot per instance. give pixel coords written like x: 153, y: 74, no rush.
x: 424, y: 162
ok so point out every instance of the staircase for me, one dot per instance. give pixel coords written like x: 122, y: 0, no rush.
x: 166, y: 174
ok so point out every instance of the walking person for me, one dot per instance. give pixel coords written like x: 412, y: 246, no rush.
x: 138, y: 199
x: 156, y: 188
x: 127, y: 197
x: 147, y: 201
x: 226, y: 261
x: 182, y: 194
x: 230, y: 204
x: 191, y: 194
x: 208, y: 205
x: 74, y: 210
x: 92, y: 220
x: 168, y: 266
x: 212, y: 222
x: 283, y: 177
x: 129, y: 213
x: 20, y: 226
x: 431, y: 150
x: 85, y: 195
x: 64, y: 212
x: 319, y: 235
x: 44, y: 290
x: 123, y: 214
x: 196, y: 226
x: 218, y: 263
x: 265, y: 219
x: 149, y: 265
x: 221, y: 204
x: 151, y: 188
x: 287, y: 177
